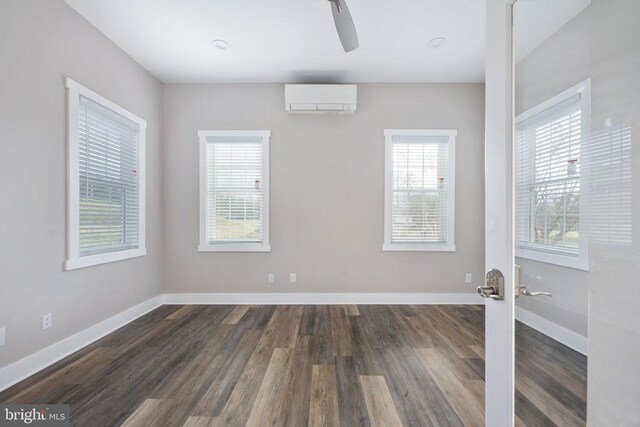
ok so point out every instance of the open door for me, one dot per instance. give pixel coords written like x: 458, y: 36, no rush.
x: 606, y: 241
x: 499, y: 240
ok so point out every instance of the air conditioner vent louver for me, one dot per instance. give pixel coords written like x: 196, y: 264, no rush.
x: 320, y: 99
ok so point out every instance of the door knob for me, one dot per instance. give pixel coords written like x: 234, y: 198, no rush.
x: 494, y: 287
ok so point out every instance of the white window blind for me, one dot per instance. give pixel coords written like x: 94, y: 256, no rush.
x: 420, y: 187
x: 611, y: 187
x: 548, y: 178
x: 108, y: 180
x: 235, y: 180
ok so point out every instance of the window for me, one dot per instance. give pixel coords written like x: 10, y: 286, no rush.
x: 550, y: 179
x: 106, y: 180
x: 234, y: 191
x: 419, y: 190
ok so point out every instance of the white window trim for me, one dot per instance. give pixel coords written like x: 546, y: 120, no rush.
x: 205, y: 246
x: 74, y: 260
x: 388, y: 193
x: 558, y: 256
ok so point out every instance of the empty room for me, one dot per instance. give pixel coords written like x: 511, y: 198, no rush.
x: 319, y: 213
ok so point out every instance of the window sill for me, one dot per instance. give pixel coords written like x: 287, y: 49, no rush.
x: 88, y: 261
x: 234, y: 247
x: 418, y: 247
x: 576, y: 262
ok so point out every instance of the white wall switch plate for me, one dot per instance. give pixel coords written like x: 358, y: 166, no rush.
x: 468, y: 278
x: 293, y: 278
x: 271, y: 278
x: 47, y: 321
x: 3, y: 335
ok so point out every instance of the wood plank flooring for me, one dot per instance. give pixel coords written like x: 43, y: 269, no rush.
x: 305, y: 366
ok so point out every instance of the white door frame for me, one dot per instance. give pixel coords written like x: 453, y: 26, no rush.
x: 499, y: 228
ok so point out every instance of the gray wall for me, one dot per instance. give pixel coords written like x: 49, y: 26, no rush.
x: 561, y: 62
x: 41, y: 42
x: 326, y: 190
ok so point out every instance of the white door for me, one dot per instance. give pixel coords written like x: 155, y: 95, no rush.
x: 499, y: 320
x: 613, y: 218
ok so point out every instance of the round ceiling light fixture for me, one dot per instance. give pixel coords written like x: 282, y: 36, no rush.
x: 221, y: 44
x: 438, y: 42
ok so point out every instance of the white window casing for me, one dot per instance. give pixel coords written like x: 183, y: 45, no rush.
x: 234, y: 191
x: 419, y: 205
x: 552, y: 175
x: 106, y: 180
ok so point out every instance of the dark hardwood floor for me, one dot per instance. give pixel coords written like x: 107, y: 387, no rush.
x: 551, y: 381
x: 305, y: 365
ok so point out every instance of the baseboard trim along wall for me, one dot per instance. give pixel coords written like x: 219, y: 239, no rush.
x: 559, y: 333
x: 27, y: 366
x: 322, y: 298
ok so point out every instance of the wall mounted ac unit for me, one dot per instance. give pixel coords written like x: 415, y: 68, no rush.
x: 320, y: 99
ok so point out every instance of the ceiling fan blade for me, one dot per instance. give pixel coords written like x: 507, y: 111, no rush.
x: 344, y: 25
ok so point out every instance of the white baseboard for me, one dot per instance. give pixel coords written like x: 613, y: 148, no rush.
x: 23, y: 368
x: 27, y: 366
x: 321, y: 298
x: 559, y: 333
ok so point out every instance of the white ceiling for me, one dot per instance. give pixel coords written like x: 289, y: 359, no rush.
x: 295, y: 40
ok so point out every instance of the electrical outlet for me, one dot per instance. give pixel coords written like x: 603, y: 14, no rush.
x: 47, y: 321
x: 468, y: 278
x: 293, y: 278
x: 3, y: 336
x: 271, y: 278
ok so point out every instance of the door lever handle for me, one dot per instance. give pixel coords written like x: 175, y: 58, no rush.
x: 521, y: 289
x: 489, y: 292
x: 525, y: 291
